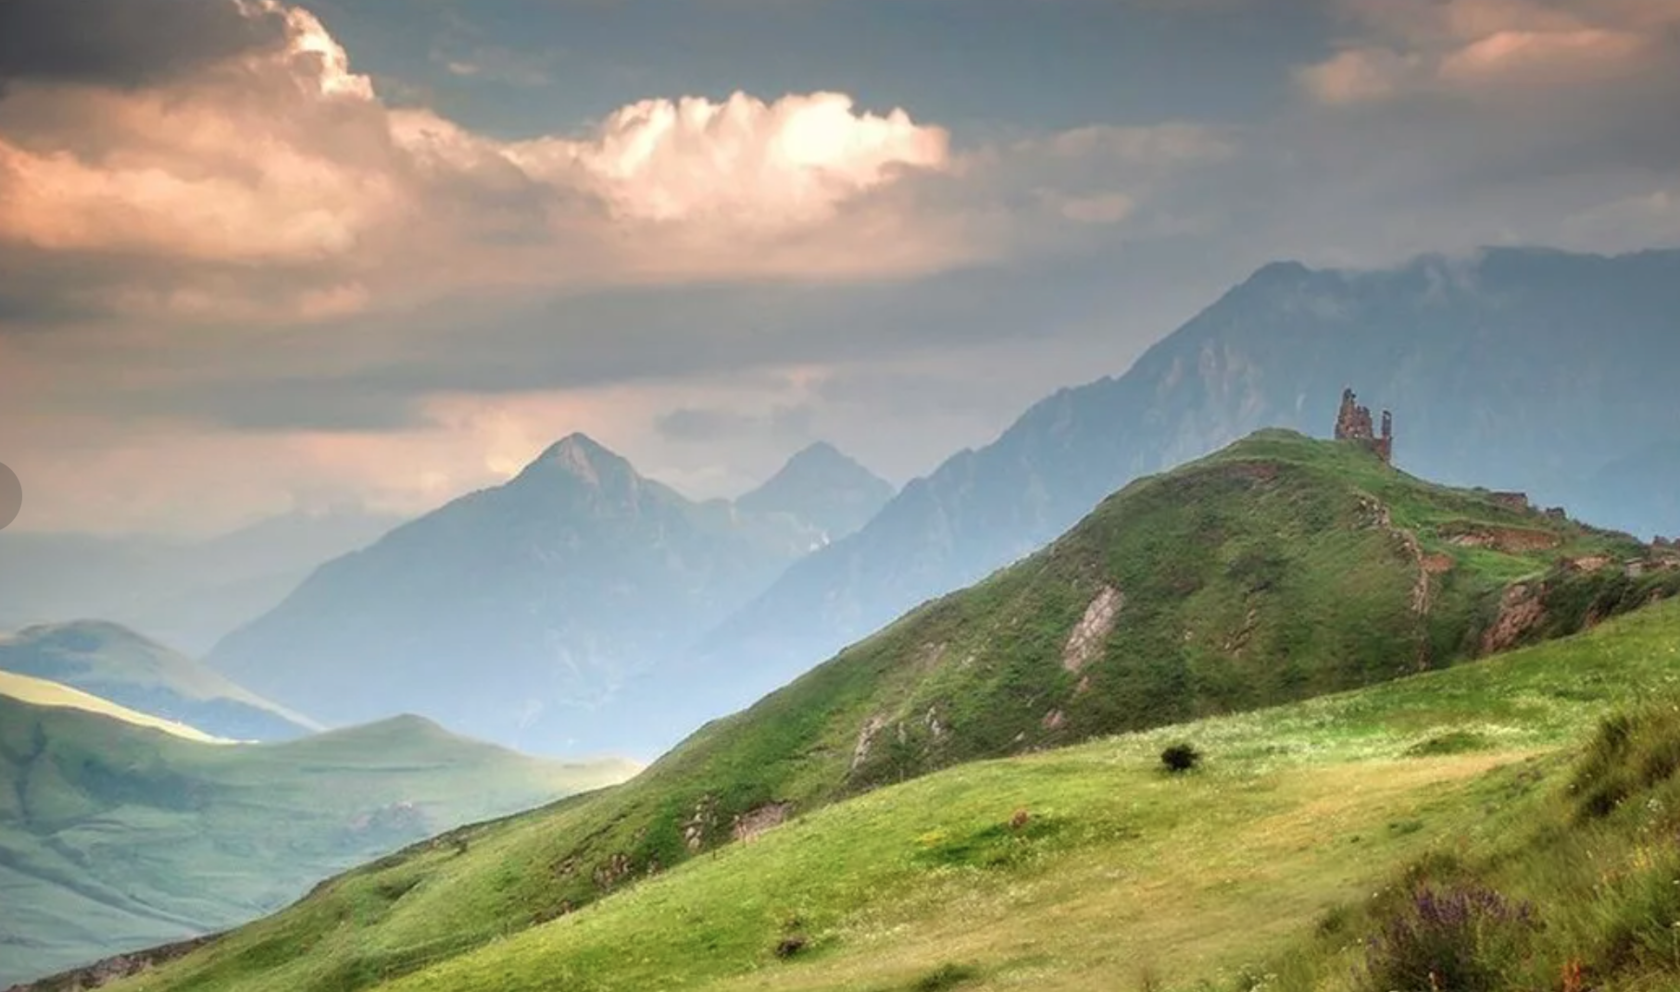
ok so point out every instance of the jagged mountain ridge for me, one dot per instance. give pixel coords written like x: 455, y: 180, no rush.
x: 1488, y: 364
x: 515, y: 612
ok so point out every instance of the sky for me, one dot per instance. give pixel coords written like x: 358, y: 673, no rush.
x: 258, y: 256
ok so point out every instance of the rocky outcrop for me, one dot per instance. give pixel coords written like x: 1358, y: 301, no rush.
x: 1521, y: 609
x: 112, y: 969
x: 755, y: 822
x: 1510, y: 540
x: 1085, y: 644
x: 866, y: 737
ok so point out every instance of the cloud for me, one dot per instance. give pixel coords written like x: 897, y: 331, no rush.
x: 1492, y: 48
x: 279, y: 159
x: 248, y: 252
x: 741, y: 163
x: 128, y: 43
x: 707, y: 425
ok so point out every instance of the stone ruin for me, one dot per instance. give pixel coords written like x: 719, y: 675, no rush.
x: 1353, y: 423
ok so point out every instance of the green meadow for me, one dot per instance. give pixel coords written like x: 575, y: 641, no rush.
x: 1305, y: 830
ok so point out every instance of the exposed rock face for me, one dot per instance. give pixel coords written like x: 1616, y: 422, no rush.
x: 755, y: 822
x: 1085, y: 644
x: 1353, y: 423
x: 1511, y: 540
x: 866, y: 737
x: 701, y: 823
x: 1520, y: 610
x: 614, y: 871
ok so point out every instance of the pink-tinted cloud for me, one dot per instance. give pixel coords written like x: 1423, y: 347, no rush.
x: 1491, y: 47
x: 284, y: 156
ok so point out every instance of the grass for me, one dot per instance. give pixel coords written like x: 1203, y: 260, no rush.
x: 41, y: 692
x: 115, y: 836
x: 1255, y: 870
x: 1279, y: 569
x: 117, y: 664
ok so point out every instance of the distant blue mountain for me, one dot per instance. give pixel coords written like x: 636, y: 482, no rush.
x: 515, y: 613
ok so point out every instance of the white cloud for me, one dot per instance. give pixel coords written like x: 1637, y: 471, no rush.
x: 742, y: 163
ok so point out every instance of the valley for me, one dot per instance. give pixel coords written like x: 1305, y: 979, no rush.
x: 115, y: 835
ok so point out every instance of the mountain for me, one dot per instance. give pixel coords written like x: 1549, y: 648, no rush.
x: 114, y: 837
x: 511, y: 613
x: 1522, y: 369
x: 114, y: 663
x: 1277, y: 569
x: 824, y: 493
x: 184, y: 593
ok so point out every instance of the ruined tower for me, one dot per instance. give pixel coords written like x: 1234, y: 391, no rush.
x: 1353, y: 423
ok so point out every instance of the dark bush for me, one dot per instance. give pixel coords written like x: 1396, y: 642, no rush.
x: 1180, y: 758
x: 946, y: 976
x: 1460, y: 938
x: 791, y: 946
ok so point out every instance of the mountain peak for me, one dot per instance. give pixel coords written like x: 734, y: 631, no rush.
x: 824, y: 487
x: 820, y: 453
x: 1285, y: 272
x: 577, y: 455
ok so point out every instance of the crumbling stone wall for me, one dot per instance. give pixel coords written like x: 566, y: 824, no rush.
x: 1354, y: 423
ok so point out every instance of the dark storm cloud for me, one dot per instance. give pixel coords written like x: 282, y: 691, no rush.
x: 125, y: 42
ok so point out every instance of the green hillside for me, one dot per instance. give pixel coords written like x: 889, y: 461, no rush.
x: 1279, y: 569
x: 115, y: 837
x: 115, y: 663
x: 42, y: 692
x: 1255, y: 871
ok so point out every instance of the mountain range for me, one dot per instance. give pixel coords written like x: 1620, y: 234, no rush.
x: 1521, y: 369
x: 614, y: 613
x: 184, y: 593
x: 515, y: 612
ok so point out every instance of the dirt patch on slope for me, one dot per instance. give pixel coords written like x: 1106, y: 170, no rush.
x: 1509, y: 540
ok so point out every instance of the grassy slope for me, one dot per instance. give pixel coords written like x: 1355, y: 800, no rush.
x: 41, y: 692
x: 113, y: 662
x: 114, y: 837
x: 1123, y: 876
x: 1275, y: 570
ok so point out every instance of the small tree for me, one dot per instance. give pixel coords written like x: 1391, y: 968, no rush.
x: 1180, y: 758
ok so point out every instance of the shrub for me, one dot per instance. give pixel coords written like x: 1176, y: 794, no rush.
x: 946, y: 976
x: 1461, y: 938
x: 790, y: 946
x: 1180, y: 758
x: 1631, y: 753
